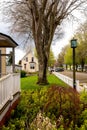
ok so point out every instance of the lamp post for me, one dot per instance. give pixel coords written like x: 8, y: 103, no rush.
x: 74, y: 45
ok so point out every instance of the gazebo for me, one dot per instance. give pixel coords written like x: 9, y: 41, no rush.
x: 7, y: 42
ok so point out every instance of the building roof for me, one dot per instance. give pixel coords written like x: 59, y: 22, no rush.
x: 7, y: 41
x: 29, y: 52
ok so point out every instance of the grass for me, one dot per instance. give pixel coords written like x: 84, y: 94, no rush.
x: 29, y: 83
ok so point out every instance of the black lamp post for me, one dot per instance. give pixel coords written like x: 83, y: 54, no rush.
x: 74, y: 45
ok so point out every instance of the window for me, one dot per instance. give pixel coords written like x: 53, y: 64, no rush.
x: 25, y: 66
x: 32, y: 65
x: 26, y: 59
x: 32, y: 60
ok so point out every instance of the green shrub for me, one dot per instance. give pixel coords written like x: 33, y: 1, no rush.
x: 31, y: 103
x: 62, y: 105
x: 84, y: 126
x: 23, y: 73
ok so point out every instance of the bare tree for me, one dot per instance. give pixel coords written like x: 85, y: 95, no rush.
x: 40, y: 19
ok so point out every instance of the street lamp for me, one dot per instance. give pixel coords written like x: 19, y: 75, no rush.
x: 74, y: 45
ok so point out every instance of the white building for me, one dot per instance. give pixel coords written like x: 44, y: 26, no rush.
x: 29, y: 63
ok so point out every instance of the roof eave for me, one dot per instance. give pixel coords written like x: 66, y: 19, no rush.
x: 7, y: 41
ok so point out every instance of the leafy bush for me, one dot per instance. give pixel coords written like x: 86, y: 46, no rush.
x: 23, y: 73
x: 31, y: 103
x: 62, y: 105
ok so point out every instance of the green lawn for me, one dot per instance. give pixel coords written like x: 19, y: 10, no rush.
x: 29, y: 83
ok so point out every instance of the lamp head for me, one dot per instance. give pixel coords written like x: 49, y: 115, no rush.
x: 73, y: 43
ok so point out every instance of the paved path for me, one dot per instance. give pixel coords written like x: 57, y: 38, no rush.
x: 81, y: 76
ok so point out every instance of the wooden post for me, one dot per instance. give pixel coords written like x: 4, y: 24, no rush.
x: 0, y: 64
x: 13, y: 59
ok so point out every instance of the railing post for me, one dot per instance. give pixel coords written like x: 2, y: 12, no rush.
x: 13, y: 59
x: 11, y: 90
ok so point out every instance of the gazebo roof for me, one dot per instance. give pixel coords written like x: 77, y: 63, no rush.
x: 7, y: 41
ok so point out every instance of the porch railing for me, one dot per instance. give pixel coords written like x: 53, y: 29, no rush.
x: 9, y: 86
x: 9, y: 69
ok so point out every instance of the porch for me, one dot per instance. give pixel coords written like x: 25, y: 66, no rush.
x: 9, y: 95
x: 9, y: 82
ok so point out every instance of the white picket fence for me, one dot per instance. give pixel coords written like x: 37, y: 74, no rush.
x: 9, y: 85
x: 69, y: 81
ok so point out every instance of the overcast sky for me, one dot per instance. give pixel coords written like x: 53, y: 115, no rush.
x: 56, y: 46
x: 69, y: 29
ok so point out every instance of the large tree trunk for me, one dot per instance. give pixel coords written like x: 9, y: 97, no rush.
x: 43, y: 55
x: 43, y: 28
x: 42, y: 74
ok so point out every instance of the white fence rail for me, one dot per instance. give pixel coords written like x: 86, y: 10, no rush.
x: 9, y: 85
x: 68, y: 81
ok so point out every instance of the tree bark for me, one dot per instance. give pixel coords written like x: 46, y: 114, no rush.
x: 42, y: 74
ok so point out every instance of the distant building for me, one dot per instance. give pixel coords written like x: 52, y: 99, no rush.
x: 29, y: 63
